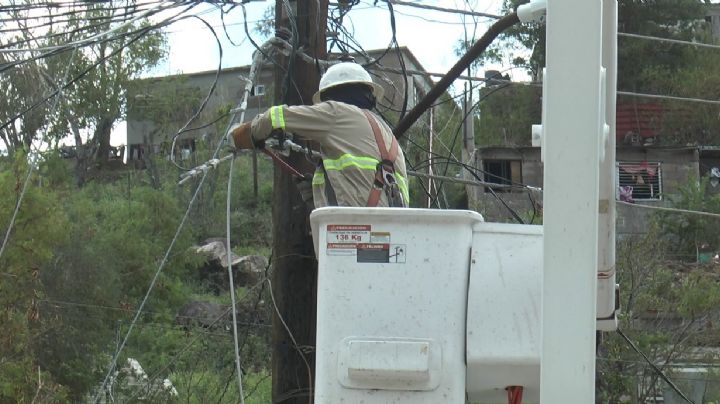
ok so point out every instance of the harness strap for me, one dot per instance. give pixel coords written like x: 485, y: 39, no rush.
x: 386, y: 168
x: 384, y: 154
x: 329, y: 190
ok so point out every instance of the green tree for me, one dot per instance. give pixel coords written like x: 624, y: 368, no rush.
x: 667, y: 310
x: 35, y: 232
x: 668, y: 306
x: 124, y: 50
x: 644, y: 66
x: 688, y: 232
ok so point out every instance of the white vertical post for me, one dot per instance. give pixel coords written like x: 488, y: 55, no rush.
x: 606, y: 241
x: 572, y: 147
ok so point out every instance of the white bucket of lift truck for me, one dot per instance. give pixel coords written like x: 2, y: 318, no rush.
x: 392, y: 304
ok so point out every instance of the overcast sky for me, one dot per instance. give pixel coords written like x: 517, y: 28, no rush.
x: 429, y: 34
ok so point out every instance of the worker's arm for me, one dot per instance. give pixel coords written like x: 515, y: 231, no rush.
x: 311, y: 122
x: 242, y: 137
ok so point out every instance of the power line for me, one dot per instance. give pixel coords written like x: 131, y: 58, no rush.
x: 446, y: 10
x: 253, y: 70
x: 668, y: 40
x: 658, y: 370
x: 57, y: 94
x: 66, y: 304
x: 95, y: 37
x: 674, y: 210
x: 102, y: 14
x: 141, y: 30
x: 669, y: 97
x: 476, y: 183
x: 65, y: 32
x: 194, y: 340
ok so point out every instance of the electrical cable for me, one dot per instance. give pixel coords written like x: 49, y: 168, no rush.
x: 57, y: 94
x: 669, y: 97
x: 171, y: 361
x: 224, y: 27
x: 178, y: 355
x: 655, y: 368
x: 114, y: 360
x: 401, y: 60
x: 257, y: 47
x: 140, y: 33
x: 54, y: 303
x: 668, y: 40
x: 295, y: 45
x: 447, y: 10
x: 54, y: 21
x: 674, y: 210
x: 205, y: 101
x: 250, y: 81
x: 64, y: 32
x: 155, y: 278
x: 466, y: 182
x: 438, y: 89
x: 95, y: 37
x: 75, y: 79
x: 464, y: 165
x: 228, y: 253
x: 290, y: 334
x: 64, y: 48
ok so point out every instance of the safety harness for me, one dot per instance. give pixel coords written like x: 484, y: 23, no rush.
x: 385, y: 178
x: 384, y: 181
x: 385, y: 171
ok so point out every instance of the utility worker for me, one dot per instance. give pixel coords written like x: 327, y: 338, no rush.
x: 362, y: 163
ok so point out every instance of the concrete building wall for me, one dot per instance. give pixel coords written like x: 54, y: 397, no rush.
x: 227, y: 93
x: 678, y: 166
x: 143, y: 133
x: 712, y: 15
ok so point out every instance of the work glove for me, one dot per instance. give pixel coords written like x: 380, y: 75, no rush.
x: 242, y: 137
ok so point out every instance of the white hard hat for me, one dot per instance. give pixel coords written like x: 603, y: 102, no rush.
x: 346, y: 73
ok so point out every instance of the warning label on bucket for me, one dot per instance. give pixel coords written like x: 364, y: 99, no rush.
x: 342, y: 239
x: 373, y: 252
x: 359, y: 240
x: 348, y: 233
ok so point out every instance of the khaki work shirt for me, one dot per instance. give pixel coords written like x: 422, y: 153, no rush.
x: 350, y: 153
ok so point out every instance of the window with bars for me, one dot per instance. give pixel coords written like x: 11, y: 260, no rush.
x: 639, y: 181
x: 258, y: 90
x: 505, y: 172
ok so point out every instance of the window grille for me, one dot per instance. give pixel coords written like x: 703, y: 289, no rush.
x: 640, y: 181
x: 505, y: 172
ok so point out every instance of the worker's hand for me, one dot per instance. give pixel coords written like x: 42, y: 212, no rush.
x: 241, y: 136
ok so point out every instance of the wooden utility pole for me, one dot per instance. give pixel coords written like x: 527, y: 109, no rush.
x: 294, y: 272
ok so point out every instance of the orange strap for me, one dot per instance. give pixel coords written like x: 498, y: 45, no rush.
x: 387, y: 158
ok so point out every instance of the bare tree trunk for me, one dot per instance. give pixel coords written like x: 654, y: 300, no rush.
x: 101, y: 138
x: 81, y: 154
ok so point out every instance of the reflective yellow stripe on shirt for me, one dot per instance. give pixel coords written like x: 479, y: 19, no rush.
x: 348, y: 160
x: 363, y: 163
x: 277, y: 118
x: 402, y: 183
x: 318, y: 178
